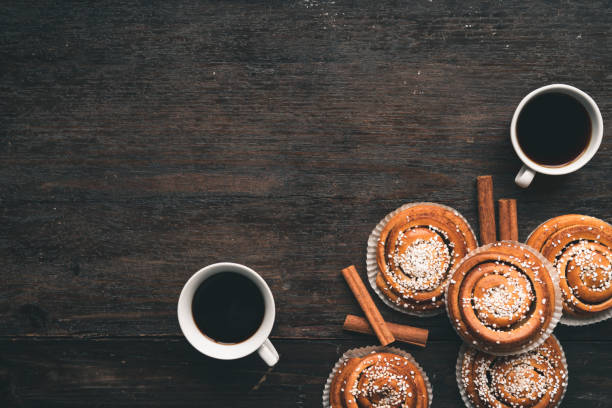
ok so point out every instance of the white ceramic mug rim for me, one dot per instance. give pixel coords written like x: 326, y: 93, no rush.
x: 596, y: 130
x: 204, y: 344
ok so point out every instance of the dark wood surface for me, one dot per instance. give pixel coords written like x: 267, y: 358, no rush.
x: 141, y: 141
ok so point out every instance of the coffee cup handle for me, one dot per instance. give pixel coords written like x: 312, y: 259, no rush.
x: 524, y: 177
x: 268, y: 353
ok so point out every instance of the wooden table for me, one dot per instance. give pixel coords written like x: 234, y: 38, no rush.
x: 141, y: 142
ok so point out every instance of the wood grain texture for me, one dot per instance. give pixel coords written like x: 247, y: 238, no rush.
x: 155, y: 373
x: 142, y: 141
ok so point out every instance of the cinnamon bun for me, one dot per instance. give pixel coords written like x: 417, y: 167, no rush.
x: 580, y: 248
x: 379, y: 380
x: 536, y: 379
x: 503, y: 298
x: 415, y: 251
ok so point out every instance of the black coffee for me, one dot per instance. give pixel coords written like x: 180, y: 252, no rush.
x: 553, y: 129
x: 228, y: 307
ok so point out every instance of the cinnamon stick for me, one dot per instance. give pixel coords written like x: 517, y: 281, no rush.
x: 401, y: 332
x: 508, y: 222
x: 367, y: 305
x: 486, y: 209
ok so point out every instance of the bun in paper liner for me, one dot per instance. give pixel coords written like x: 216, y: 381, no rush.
x: 504, y: 298
x: 410, y: 255
x: 404, y: 360
x: 580, y: 249
x: 487, y: 381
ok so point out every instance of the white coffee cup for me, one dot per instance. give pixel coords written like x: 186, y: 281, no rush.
x: 530, y: 168
x: 257, y: 342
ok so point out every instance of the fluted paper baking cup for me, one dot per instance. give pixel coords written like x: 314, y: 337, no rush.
x: 571, y: 320
x: 459, y: 365
x: 557, y: 313
x: 363, y: 351
x: 372, y: 264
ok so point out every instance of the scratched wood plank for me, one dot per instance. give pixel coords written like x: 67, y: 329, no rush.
x: 140, y: 144
x: 159, y: 373
x: 92, y: 286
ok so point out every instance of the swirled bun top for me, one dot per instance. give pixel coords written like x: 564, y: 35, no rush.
x: 536, y: 379
x: 503, y: 297
x: 580, y: 248
x: 416, y: 250
x: 379, y: 380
